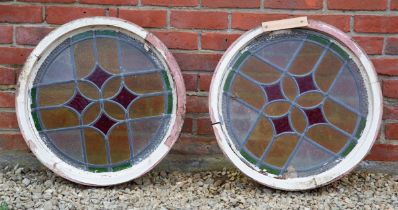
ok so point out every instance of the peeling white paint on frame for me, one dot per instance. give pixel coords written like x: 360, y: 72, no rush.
x: 45, y: 154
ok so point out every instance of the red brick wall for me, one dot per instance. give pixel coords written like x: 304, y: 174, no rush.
x: 198, y: 32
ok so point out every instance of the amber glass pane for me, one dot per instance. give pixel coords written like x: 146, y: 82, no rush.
x: 327, y: 71
x: 147, y: 106
x: 144, y: 83
x: 259, y: 70
x: 55, y: 94
x: 340, y: 116
x: 310, y: 99
x: 88, y: 90
x: 289, y: 88
x: 91, y: 113
x: 107, y: 48
x: 306, y: 59
x: 119, y: 143
x: 298, y: 120
x: 84, y: 58
x: 277, y: 108
x: 248, y: 92
x: 58, y: 118
x: 95, y: 147
x: 114, y: 110
x: 328, y: 137
x: 281, y: 149
x: 111, y: 87
x: 260, y: 137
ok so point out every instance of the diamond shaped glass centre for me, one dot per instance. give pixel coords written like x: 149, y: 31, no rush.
x: 79, y: 102
x: 124, y: 97
x: 99, y: 76
x: 104, y: 123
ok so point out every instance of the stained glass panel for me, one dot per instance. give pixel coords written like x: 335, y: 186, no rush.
x: 301, y: 94
x: 102, y: 101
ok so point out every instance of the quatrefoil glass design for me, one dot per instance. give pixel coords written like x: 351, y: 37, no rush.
x: 302, y: 101
x: 102, y: 100
x: 296, y: 108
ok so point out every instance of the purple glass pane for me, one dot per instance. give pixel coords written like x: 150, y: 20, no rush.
x: 79, y: 102
x: 305, y: 83
x: 104, y: 123
x: 273, y: 92
x: 314, y: 116
x: 124, y: 97
x: 282, y: 125
x: 98, y: 77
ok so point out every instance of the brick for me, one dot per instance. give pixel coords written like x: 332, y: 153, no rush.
x: 109, y: 2
x: 197, y: 104
x: 386, y: 66
x: 187, y: 127
x: 57, y: 14
x: 8, y: 76
x: 12, y: 141
x: 8, y: 120
x: 31, y: 35
x: 217, y: 41
x: 376, y: 24
x: 391, y: 47
x: 231, y: 3
x: 383, y: 152
x: 339, y: 21
x: 179, y: 40
x: 394, y: 5
x: 357, y: 4
x: 191, y: 81
x: 245, y: 21
x: 194, y: 145
x: 391, y: 131
x: 49, y: 1
x: 390, y: 112
x: 171, y: 3
x: 145, y: 18
x: 294, y: 4
x: 13, y: 55
x: 7, y: 99
x: 196, y: 61
x: 20, y: 14
x: 6, y: 34
x: 390, y: 88
x: 371, y: 45
x: 204, y: 81
x: 199, y: 20
x: 204, y: 126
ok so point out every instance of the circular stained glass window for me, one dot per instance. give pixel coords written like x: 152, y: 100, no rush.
x: 295, y: 109
x: 101, y: 97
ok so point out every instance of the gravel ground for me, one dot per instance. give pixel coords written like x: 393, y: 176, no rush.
x: 22, y: 189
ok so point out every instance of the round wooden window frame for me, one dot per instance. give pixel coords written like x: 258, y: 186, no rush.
x: 347, y: 164
x: 45, y: 154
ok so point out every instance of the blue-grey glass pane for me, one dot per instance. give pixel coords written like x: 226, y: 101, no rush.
x: 133, y: 59
x: 68, y: 142
x: 61, y: 69
x: 279, y: 53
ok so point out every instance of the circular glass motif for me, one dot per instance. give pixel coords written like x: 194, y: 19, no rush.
x: 102, y: 101
x: 294, y: 103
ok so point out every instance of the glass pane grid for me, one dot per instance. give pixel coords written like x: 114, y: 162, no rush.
x: 99, y: 77
x: 274, y: 93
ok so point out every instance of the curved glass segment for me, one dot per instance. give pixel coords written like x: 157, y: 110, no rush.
x: 102, y: 101
x: 294, y: 103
